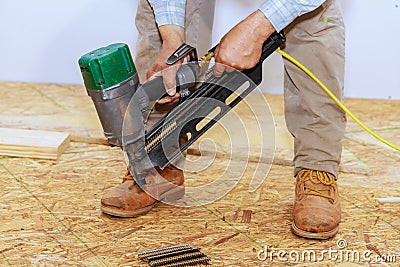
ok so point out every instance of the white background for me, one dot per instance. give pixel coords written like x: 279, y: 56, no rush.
x: 42, y: 40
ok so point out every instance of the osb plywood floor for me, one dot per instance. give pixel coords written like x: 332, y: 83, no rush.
x: 50, y: 212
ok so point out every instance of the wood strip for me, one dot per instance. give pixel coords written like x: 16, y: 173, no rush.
x: 33, y: 143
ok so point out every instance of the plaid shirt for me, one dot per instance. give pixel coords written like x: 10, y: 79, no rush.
x: 279, y: 12
x: 169, y: 11
x: 282, y: 12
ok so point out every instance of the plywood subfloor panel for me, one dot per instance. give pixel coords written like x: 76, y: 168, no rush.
x: 50, y: 212
x: 55, y: 107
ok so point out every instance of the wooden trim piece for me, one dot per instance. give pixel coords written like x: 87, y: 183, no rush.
x: 33, y: 143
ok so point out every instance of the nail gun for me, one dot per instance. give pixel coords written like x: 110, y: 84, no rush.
x: 123, y: 104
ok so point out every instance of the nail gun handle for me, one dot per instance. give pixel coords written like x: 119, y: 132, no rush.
x: 275, y: 41
x: 185, y: 78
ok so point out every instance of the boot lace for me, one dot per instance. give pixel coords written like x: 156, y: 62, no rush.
x: 128, y: 176
x: 327, y: 190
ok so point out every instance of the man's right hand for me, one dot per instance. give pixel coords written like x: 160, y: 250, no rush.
x: 173, y: 37
x: 241, y: 47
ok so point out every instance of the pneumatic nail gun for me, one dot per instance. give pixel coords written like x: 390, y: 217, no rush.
x: 123, y: 104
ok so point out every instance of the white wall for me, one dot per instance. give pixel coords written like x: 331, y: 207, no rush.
x: 372, y: 48
x: 42, y: 40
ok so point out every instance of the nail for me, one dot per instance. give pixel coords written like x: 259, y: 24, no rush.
x: 171, y: 91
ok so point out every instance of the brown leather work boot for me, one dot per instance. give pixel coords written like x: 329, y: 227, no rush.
x: 316, y: 210
x: 129, y: 200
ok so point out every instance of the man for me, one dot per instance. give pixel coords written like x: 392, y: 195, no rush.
x: 315, y: 36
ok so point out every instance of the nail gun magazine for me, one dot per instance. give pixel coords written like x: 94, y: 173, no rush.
x: 123, y: 104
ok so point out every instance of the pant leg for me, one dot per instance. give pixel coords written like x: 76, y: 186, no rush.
x: 199, y: 22
x: 149, y: 41
x: 316, y: 39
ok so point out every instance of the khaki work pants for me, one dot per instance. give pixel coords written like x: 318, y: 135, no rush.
x: 316, y: 39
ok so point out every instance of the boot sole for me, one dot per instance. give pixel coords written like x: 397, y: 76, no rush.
x: 321, y: 235
x: 171, y: 195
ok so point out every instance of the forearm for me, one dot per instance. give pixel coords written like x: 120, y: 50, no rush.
x: 172, y: 35
x: 169, y: 15
x: 259, y: 25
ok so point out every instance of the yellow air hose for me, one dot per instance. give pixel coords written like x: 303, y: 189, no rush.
x: 334, y: 98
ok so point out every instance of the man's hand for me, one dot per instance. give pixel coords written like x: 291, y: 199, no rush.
x: 241, y: 47
x: 173, y: 37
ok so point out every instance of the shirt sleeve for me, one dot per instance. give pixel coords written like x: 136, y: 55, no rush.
x: 169, y: 11
x: 282, y: 12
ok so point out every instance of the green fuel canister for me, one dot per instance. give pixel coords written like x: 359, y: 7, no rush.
x: 110, y: 78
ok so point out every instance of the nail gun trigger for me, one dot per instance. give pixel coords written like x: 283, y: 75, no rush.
x: 183, y: 94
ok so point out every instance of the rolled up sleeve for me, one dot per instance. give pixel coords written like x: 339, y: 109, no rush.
x: 281, y: 13
x: 169, y: 11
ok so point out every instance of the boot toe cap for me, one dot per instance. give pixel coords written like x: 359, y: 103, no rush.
x: 320, y: 220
